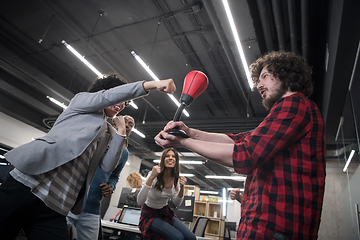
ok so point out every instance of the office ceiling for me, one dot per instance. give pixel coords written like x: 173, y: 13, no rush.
x: 173, y: 37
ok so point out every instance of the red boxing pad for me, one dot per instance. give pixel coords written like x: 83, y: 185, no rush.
x: 195, y: 83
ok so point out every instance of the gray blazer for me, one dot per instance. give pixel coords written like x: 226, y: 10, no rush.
x: 82, y: 123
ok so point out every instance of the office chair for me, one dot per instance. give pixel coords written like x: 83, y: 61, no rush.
x: 230, y: 230
x: 200, y: 226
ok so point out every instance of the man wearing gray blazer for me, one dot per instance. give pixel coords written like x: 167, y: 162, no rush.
x: 53, y: 173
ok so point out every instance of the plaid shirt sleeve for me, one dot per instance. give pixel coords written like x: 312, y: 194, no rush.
x: 284, y: 158
x: 286, y: 123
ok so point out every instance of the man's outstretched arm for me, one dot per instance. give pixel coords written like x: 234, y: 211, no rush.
x: 218, y: 152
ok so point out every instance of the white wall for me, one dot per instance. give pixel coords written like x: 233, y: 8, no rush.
x: 233, y: 212
x: 134, y: 166
x: 14, y: 133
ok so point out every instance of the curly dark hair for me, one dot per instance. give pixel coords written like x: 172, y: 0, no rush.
x: 292, y: 70
x: 159, y: 185
x: 105, y: 83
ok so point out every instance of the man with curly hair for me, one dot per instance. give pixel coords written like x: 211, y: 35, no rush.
x: 52, y: 174
x: 283, y: 158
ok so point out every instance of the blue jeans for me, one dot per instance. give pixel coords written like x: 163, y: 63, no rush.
x: 87, y: 225
x: 175, y: 231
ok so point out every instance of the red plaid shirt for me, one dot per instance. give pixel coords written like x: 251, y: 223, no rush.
x: 284, y: 158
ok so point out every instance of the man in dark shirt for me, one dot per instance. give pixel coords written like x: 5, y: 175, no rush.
x: 283, y: 158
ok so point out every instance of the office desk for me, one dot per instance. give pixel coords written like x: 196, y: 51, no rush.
x: 120, y: 226
x: 129, y: 228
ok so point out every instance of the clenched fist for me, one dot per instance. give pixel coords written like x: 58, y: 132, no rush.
x: 182, y: 180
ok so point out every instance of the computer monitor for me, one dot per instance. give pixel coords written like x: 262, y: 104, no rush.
x: 130, y: 216
x: 123, y: 197
x: 185, y: 211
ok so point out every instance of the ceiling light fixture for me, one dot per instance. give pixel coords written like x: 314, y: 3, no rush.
x: 349, y: 160
x: 82, y: 58
x: 238, y: 43
x: 185, y: 154
x: 147, y: 68
x: 226, y: 177
x: 57, y: 102
x: 229, y: 189
x: 182, y: 161
x: 204, y: 191
x: 138, y: 133
x: 3, y: 149
x: 186, y: 174
x: 100, y: 75
x: 209, y: 192
x: 131, y: 103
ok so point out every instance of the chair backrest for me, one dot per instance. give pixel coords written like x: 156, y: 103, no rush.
x: 231, y: 225
x: 230, y: 230
x: 200, y: 226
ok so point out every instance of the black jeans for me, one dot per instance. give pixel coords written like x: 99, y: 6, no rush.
x: 20, y: 209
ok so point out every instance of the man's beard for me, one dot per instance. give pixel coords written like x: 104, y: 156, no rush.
x: 269, y: 101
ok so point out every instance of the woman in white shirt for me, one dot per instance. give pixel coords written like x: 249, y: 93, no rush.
x: 157, y: 220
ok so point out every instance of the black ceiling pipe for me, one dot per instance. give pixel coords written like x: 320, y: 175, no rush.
x: 265, y: 21
x: 292, y: 20
x: 279, y: 24
x: 304, y: 28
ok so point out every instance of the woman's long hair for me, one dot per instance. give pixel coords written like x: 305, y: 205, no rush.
x: 159, y: 185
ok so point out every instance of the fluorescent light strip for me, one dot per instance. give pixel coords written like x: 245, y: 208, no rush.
x: 224, y: 198
x: 238, y: 43
x: 186, y: 174
x: 3, y: 149
x: 204, y: 191
x: 147, y: 68
x: 209, y: 192
x: 226, y: 177
x: 82, y: 59
x: 138, y: 133
x: 185, y: 154
x: 133, y: 104
x: 57, y: 102
x: 349, y: 160
x: 229, y: 189
x: 182, y: 161
x: 90, y: 66
x: 2, y: 157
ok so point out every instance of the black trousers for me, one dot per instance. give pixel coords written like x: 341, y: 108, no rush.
x: 20, y: 209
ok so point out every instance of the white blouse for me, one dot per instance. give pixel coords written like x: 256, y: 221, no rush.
x: 156, y: 199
